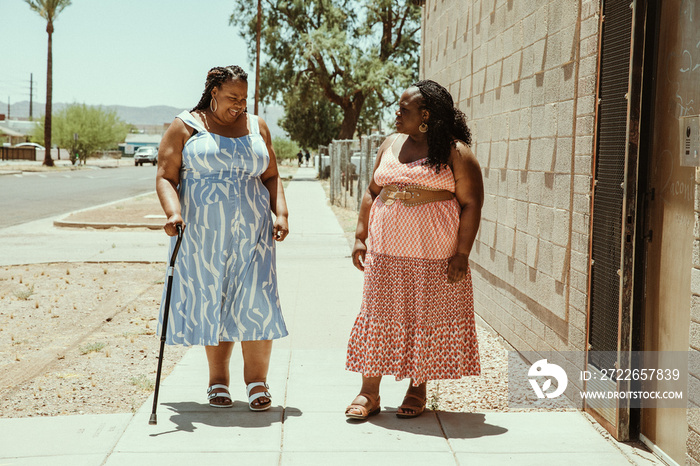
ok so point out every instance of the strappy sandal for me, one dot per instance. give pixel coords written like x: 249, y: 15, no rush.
x: 255, y: 396
x: 364, y: 410
x: 417, y: 408
x: 211, y: 395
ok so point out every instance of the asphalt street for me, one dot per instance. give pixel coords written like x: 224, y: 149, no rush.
x: 36, y: 195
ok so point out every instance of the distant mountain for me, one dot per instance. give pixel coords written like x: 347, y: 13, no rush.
x: 156, y: 115
x: 21, y: 109
x: 140, y: 116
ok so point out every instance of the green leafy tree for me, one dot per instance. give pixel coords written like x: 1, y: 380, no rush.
x: 350, y: 49
x: 84, y: 130
x: 372, y: 116
x: 310, y: 119
x: 49, y: 10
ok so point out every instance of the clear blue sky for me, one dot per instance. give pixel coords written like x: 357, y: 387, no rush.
x: 119, y: 52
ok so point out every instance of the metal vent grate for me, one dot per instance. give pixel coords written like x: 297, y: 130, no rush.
x: 609, y: 174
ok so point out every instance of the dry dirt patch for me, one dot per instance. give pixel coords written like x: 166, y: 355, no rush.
x: 79, y: 338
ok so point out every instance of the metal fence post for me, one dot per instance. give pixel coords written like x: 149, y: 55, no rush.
x: 344, y: 172
x: 335, y: 172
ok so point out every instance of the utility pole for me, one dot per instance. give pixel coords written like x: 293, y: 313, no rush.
x: 31, y: 94
x: 8, y: 107
x: 257, y: 58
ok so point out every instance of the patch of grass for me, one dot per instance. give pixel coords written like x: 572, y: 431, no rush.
x: 24, y: 294
x: 92, y: 348
x: 144, y: 383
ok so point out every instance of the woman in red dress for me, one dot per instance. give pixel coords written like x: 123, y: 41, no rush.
x: 417, y: 224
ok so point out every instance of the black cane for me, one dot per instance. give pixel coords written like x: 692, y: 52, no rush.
x: 166, y: 309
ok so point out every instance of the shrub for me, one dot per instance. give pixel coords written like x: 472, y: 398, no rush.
x: 284, y: 148
x: 92, y: 348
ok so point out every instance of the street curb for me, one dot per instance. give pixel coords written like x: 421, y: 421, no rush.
x: 13, y: 172
x: 104, y: 226
x: 146, y: 262
x: 62, y: 222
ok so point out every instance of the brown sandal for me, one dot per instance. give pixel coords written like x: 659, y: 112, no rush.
x: 417, y: 408
x: 364, y: 410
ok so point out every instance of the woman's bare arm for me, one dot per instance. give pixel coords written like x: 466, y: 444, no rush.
x: 362, y: 230
x: 272, y: 181
x: 469, y: 190
x: 168, y: 174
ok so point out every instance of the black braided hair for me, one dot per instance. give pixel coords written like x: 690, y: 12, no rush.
x: 215, y: 78
x: 445, y: 123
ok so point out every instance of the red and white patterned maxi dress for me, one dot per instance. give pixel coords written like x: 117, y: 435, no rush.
x: 412, y: 322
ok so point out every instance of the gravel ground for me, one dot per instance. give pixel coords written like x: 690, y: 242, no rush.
x: 79, y: 338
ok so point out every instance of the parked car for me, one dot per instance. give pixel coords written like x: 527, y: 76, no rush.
x: 146, y: 154
x: 30, y: 144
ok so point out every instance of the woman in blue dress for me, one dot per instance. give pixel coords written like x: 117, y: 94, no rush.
x: 217, y: 178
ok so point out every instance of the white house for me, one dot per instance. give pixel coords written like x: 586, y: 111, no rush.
x: 135, y: 140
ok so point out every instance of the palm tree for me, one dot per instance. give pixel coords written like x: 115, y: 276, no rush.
x: 49, y: 10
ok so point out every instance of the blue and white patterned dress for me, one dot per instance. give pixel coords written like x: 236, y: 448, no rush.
x: 224, y: 283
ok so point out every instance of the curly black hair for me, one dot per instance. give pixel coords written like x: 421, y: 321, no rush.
x: 445, y: 123
x: 215, y: 78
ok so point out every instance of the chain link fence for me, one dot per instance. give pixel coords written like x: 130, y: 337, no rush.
x: 349, y: 165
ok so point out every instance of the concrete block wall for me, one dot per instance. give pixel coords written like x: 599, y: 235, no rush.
x: 524, y: 73
x: 693, y: 439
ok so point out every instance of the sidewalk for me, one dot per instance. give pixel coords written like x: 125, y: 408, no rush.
x: 320, y: 293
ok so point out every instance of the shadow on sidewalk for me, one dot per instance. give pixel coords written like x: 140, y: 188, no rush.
x: 303, y: 179
x: 451, y: 425
x: 188, y: 414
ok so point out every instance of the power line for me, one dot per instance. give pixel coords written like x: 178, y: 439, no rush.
x: 28, y: 87
x: 31, y: 94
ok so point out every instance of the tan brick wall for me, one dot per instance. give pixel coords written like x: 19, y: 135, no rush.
x: 524, y: 73
x: 693, y: 440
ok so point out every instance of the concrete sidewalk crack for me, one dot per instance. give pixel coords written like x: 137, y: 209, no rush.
x: 284, y: 406
x: 444, y: 435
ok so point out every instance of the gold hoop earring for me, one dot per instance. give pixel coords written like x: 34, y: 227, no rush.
x: 215, y: 107
x: 423, y: 128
